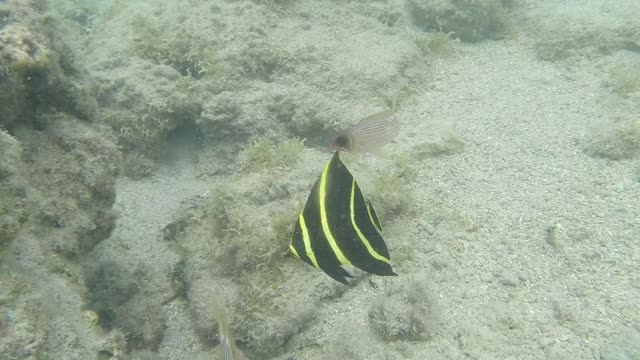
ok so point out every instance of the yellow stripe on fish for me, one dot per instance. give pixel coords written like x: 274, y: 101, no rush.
x: 338, y: 226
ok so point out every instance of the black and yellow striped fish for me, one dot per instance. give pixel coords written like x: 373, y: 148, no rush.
x: 338, y: 226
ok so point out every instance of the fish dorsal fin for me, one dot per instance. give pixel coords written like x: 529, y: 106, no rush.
x: 373, y: 216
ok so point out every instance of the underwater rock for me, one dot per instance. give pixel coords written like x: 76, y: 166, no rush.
x: 39, y: 73
x: 72, y: 167
x: 63, y: 179
x: 109, y: 285
x: 57, y: 176
x: 468, y: 20
x: 561, y: 39
x: 442, y: 143
x: 123, y: 299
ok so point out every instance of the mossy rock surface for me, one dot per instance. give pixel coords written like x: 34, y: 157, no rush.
x: 71, y: 167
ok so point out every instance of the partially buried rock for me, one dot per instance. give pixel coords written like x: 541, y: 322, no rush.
x: 439, y: 144
x: 617, y: 140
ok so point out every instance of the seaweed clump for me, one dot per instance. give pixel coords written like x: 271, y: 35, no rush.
x: 391, y: 195
x: 187, y: 53
x: 438, y: 44
x: 247, y: 242
x: 265, y: 155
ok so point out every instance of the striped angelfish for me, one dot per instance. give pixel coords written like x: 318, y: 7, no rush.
x: 338, y: 226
